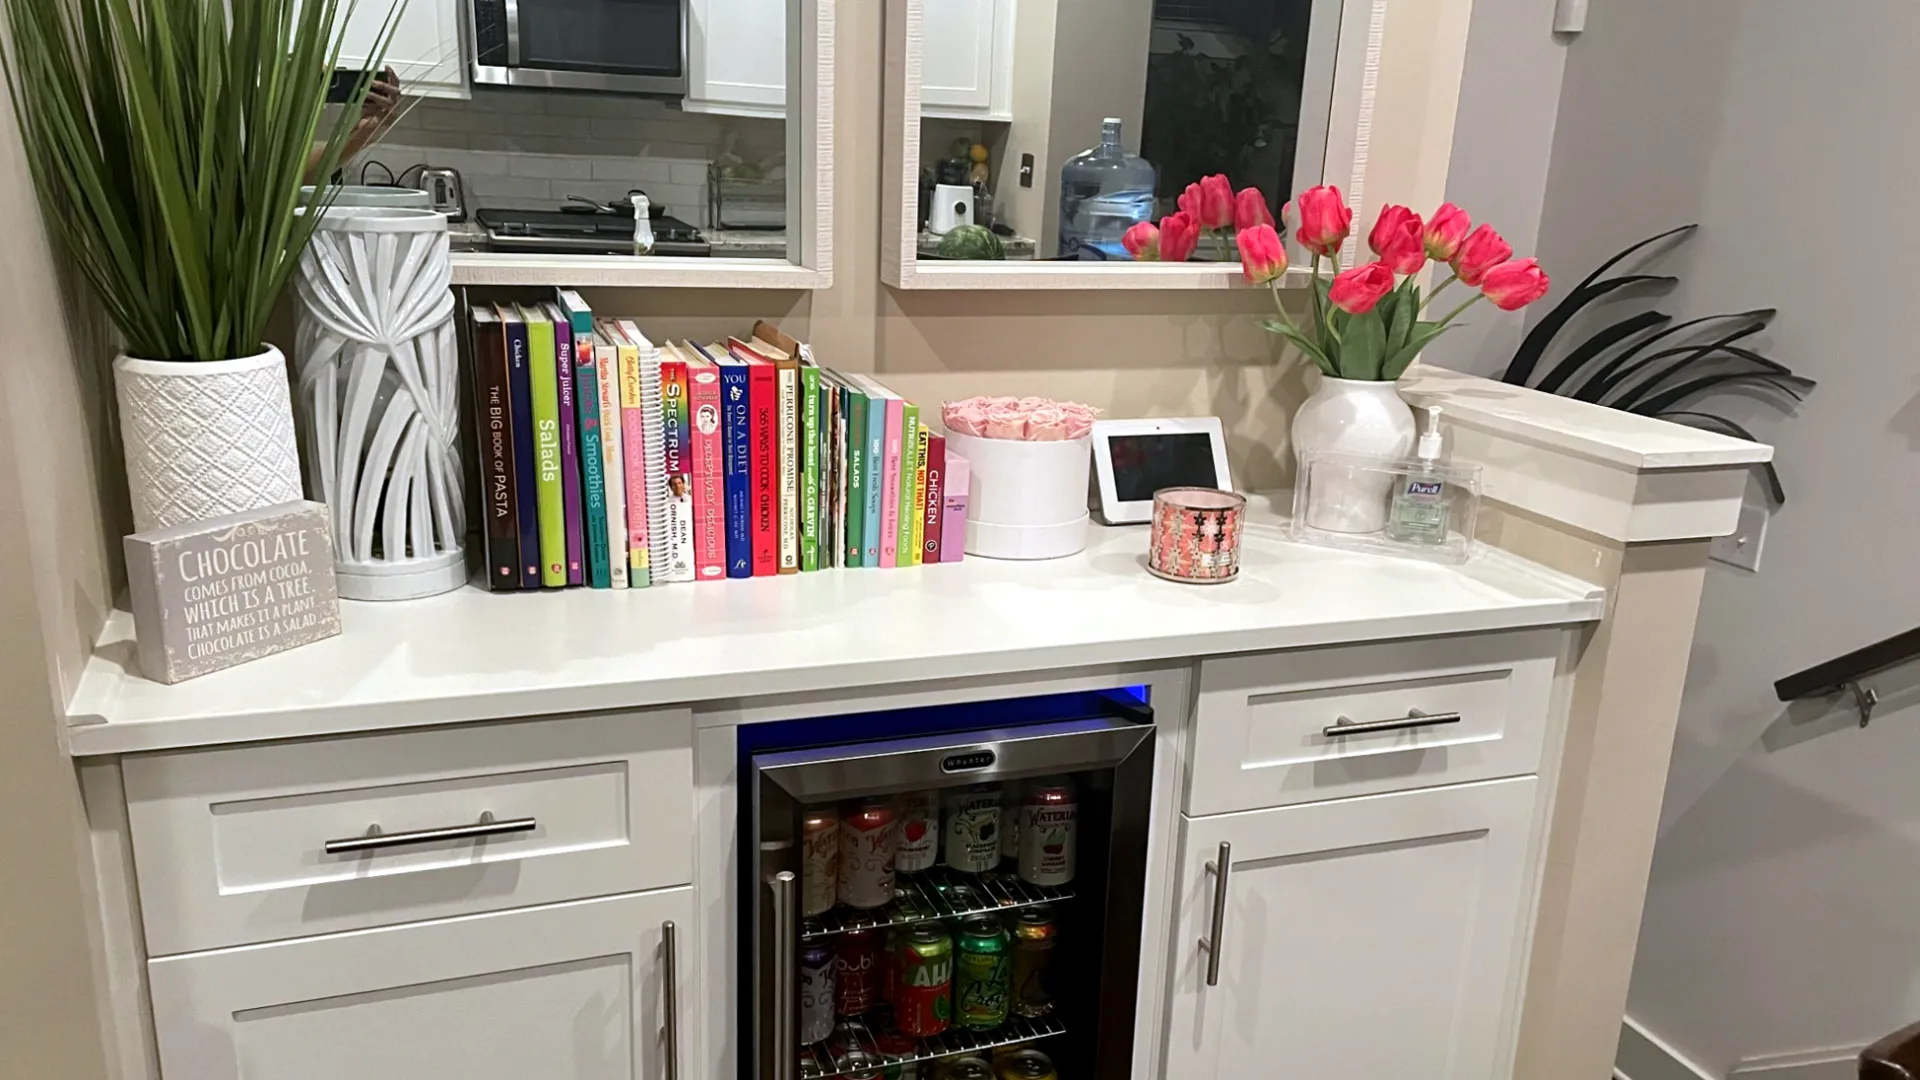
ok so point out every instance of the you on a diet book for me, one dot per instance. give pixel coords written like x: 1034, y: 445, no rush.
x: 610, y: 460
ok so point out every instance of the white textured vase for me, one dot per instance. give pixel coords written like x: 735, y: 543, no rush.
x: 379, y: 397
x: 1352, y: 416
x: 206, y: 438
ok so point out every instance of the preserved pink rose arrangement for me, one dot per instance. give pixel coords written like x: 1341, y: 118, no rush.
x: 1368, y: 319
x: 1028, y: 419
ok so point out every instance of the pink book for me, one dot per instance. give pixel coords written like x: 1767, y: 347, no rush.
x: 709, y: 470
x: 633, y: 448
x: 953, y: 518
x: 890, y: 484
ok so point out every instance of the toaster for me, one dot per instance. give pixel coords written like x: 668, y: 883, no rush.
x: 446, y: 192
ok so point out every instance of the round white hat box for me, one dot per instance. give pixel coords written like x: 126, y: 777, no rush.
x: 1025, y: 500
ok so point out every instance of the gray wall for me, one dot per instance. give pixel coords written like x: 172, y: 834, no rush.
x: 1780, y: 917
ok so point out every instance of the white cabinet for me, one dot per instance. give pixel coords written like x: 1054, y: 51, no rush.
x: 426, y: 50
x: 572, y: 990
x: 737, y: 57
x: 967, y: 59
x: 1361, y: 939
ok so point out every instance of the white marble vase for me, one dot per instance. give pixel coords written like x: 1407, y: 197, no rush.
x: 378, y: 375
x: 1352, y: 416
x: 205, y: 438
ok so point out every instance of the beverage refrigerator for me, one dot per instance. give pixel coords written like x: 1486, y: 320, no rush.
x: 945, y: 893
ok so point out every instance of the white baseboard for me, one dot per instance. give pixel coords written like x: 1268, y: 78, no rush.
x: 1643, y: 1056
x: 1834, y: 1063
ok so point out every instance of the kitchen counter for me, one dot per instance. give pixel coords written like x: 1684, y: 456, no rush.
x: 470, y: 236
x: 1016, y: 247
x: 473, y: 655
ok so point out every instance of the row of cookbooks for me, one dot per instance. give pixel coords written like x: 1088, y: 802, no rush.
x: 613, y: 462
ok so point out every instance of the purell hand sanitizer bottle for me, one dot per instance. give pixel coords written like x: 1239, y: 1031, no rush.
x: 1421, y: 501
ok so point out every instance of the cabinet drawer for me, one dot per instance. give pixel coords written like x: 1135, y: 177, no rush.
x: 1268, y: 729
x: 232, y: 846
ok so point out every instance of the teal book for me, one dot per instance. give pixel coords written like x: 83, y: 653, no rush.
x: 809, y: 467
x: 857, y: 469
x: 876, y: 444
x: 543, y: 369
x: 586, y: 398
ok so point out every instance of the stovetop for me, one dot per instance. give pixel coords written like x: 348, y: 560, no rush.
x: 603, y: 233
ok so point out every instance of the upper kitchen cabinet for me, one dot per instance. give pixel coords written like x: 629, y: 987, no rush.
x: 1060, y: 124
x: 967, y: 62
x: 737, y: 57
x: 427, y: 50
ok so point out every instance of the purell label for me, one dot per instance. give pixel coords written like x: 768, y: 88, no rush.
x: 1422, y: 487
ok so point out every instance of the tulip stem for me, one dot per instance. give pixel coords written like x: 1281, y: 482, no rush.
x: 1462, y: 309
x: 1442, y: 287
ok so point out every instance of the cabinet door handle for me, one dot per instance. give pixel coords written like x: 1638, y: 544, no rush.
x: 786, y: 919
x: 375, y: 840
x: 670, y: 971
x: 1343, y: 727
x: 1214, y: 944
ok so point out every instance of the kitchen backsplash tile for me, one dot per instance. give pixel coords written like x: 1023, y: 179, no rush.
x: 531, y: 148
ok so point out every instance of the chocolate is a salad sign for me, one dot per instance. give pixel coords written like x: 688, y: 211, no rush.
x: 227, y: 590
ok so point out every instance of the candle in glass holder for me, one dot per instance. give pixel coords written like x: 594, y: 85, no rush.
x: 1196, y: 535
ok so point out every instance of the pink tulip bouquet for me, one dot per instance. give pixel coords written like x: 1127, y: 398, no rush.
x: 1369, y: 320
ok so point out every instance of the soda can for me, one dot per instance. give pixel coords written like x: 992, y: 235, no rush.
x: 1048, y: 824
x: 1033, y: 937
x: 816, y: 991
x: 889, y: 967
x: 967, y: 1068
x: 919, y: 845
x: 859, y: 1065
x: 893, y: 1044
x: 972, y: 831
x: 856, y: 972
x: 923, y: 1005
x: 1025, y: 1065
x: 1010, y: 823
x: 983, y: 974
x: 820, y: 859
x: 867, y: 838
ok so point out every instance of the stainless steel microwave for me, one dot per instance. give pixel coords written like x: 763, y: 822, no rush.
x: 625, y: 46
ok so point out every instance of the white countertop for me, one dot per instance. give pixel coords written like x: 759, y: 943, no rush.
x: 473, y: 655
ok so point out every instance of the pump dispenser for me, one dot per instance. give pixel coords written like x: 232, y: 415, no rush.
x: 1422, y: 501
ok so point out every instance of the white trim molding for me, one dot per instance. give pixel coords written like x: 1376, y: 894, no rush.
x: 810, y: 205
x: 1396, y: 89
x: 1645, y: 1056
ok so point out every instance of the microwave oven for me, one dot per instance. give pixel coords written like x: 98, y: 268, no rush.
x: 623, y: 46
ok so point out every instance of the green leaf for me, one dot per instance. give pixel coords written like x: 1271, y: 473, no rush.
x: 1306, y: 345
x: 1401, y: 317
x: 1363, y: 347
x: 1417, y: 339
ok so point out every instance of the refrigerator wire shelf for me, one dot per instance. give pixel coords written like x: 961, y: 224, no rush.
x: 939, y: 893
x: 818, y: 1062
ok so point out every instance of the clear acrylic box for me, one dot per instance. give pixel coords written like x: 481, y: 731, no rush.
x: 1347, y: 501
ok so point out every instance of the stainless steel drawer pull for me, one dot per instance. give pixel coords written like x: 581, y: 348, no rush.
x: 670, y: 973
x: 1213, y: 945
x: 375, y: 840
x: 786, y: 991
x: 1414, y: 719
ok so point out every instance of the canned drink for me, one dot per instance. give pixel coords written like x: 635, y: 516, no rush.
x: 919, y: 845
x: 973, y: 829
x: 1010, y: 823
x: 820, y: 859
x: 816, y: 991
x: 867, y: 836
x: 892, y: 1044
x: 1025, y: 1065
x: 967, y: 1068
x: 889, y: 969
x: 1033, y: 937
x: 983, y: 974
x: 923, y: 1005
x: 1048, y: 824
x: 859, y: 1065
x: 856, y: 972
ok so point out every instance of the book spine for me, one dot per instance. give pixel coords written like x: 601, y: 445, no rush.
x: 546, y: 435
x: 855, y: 510
x: 919, y: 503
x: 934, y: 504
x: 613, y: 465
x: 737, y: 431
x: 953, y: 513
x: 633, y: 454
x: 890, y: 484
x: 763, y: 397
x: 709, y: 475
x: 563, y: 364
x: 809, y: 493
x: 909, y: 482
x: 789, y: 390
x: 830, y: 540
x: 593, y: 465
x: 876, y: 475
x: 676, y: 426
x: 526, y: 499
x: 660, y: 545
x: 496, y: 424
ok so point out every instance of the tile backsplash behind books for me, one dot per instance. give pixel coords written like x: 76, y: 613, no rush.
x: 532, y: 149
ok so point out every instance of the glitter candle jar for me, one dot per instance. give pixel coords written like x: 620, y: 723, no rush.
x: 1196, y: 535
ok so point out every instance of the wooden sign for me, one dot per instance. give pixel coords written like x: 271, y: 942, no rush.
x: 231, y: 589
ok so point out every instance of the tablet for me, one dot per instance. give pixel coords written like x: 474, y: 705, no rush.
x: 1132, y: 459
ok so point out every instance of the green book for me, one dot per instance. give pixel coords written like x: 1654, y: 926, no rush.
x: 857, y: 468
x: 809, y: 467
x: 909, y: 457
x: 548, y: 489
